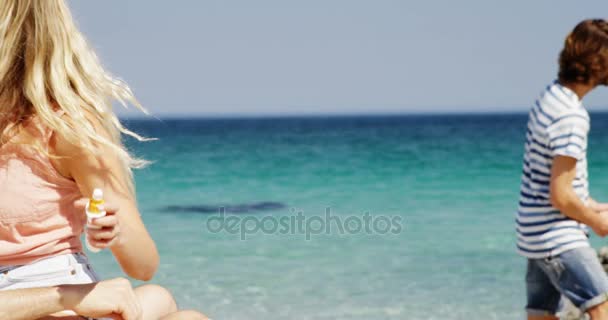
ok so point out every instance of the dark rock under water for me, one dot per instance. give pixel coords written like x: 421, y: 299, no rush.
x: 237, y: 208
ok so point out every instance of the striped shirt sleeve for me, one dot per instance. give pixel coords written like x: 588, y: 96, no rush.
x: 568, y: 135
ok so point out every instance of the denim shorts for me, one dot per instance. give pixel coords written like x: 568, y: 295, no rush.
x: 575, y: 274
x: 73, y: 268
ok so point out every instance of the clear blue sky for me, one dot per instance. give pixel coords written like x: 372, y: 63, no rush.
x: 234, y: 57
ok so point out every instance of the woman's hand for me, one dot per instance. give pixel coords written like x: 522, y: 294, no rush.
x: 110, y: 298
x: 103, y: 232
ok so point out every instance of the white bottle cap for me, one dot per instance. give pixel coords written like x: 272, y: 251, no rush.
x: 97, y: 194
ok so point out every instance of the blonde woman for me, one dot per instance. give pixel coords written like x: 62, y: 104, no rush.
x: 59, y: 139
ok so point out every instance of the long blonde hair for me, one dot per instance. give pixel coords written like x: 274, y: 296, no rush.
x: 46, y: 63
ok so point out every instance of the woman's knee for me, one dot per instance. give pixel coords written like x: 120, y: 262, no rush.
x: 160, y: 297
x: 186, y: 315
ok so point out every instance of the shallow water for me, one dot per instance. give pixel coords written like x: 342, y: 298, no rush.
x: 451, y: 183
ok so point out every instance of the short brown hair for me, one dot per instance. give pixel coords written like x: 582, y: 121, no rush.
x: 584, y: 58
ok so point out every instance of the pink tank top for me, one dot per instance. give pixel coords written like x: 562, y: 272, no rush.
x: 37, y: 215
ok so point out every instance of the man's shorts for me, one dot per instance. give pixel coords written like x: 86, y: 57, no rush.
x: 576, y: 274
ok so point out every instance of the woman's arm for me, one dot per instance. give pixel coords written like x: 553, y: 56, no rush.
x: 134, y: 249
x: 26, y: 304
x: 114, y: 298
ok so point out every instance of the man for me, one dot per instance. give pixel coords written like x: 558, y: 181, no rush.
x: 555, y: 207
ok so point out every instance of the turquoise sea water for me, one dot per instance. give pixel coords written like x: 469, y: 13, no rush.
x: 453, y: 180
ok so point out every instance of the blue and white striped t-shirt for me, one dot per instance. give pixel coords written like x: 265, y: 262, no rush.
x: 558, y: 124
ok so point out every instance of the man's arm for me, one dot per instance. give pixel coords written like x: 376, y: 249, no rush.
x: 565, y: 199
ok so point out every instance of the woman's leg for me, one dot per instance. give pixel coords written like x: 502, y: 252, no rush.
x: 185, y: 315
x: 157, y: 303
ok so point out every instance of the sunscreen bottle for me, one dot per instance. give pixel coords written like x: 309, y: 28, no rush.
x: 93, y: 210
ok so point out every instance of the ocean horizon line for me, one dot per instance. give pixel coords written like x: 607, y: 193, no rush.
x: 345, y: 115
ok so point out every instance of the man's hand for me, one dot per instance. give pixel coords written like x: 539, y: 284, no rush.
x: 105, y: 231
x: 597, y: 206
x: 601, y: 226
x: 111, y: 298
